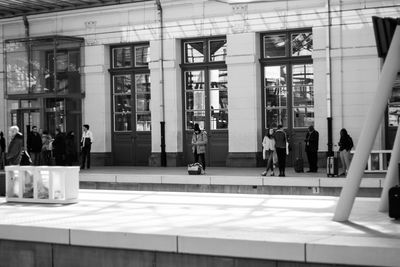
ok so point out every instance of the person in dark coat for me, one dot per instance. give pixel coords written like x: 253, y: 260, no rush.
x: 312, y: 138
x: 70, y: 148
x: 280, y: 148
x: 59, y: 148
x: 14, y: 151
x: 2, y: 150
x: 34, y: 144
x: 345, y: 146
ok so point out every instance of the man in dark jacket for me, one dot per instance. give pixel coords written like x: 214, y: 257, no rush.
x: 15, y: 147
x: 59, y: 148
x: 312, y: 139
x: 34, y: 144
x: 2, y: 150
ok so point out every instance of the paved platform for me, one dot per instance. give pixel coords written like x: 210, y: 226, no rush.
x: 287, y: 228
x: 223, y: 180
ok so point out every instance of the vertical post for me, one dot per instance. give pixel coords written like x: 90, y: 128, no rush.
x: 329, y: 80
x: 369, y: 130
x: 392, y: 174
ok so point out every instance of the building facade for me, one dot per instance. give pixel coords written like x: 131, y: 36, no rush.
x: 236, y: 69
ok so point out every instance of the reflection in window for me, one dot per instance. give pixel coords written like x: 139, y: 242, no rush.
x: 122, y: 57
x: 122, y: 84
x: 143, y: 98
x: 122, y: 122
x: 218, y: 99
x: 275, y: 45
x: 195, y: 98
x: 303, y: 95
x: 217, y: 50
x: 142, y: 55
x: 275, y: 90
x: 302, y: 44
x: 194, y: 52
x: 192, y: 117
x: 122, y: 103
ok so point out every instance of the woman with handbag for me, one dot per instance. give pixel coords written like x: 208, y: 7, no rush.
x: 199, y: 142
x: 268, y: 151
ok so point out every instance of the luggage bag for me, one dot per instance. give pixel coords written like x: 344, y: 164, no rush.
x: 332, y: 166
x: 195, y: 169
x: 394, y: 201
x: 299, y: 163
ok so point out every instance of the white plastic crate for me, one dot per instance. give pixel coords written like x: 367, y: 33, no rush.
x: 42, y: 184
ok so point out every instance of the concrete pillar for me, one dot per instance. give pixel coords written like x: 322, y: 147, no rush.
x: 370, y: 129
x: 173, y: 102
x: 244, y: 92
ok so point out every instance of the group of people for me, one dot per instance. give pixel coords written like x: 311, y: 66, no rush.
x: 276, y: 147
x: 42, y: 148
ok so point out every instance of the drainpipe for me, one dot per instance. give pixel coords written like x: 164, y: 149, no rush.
x: 162, y: 105
x: 329, y: 79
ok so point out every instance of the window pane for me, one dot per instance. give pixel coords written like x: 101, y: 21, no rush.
x: 218, y: 50
x: 142, y: 82
x: 143, y: 122
x: 275, y: 117
x: 143, y: 102
x: 194, y: 52
x: 303, y: 85
x: 219, y: 119
x: 275, y: 45
x: 122, y: 103
x: 394, y: 115
x: 142, y: 55
x: 194, y: 80
x: 218, y: 89
x: 122, y: 57
x: 302, y: 44
x: 303, y: 117
x: 275, y: 86
x: 122, y: 122
x: 193, y: 117
x: 122, y: 84
x: 17, y: 68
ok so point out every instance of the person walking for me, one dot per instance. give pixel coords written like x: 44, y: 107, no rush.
x: 86, y: 145
x: 15, y: 147
x: 2, y: 150
x: 70, y: 148
x: 268, y: 151
x: 345, y: 146
x: 280, y: 147
x: 59, y: 148
x: 47, y: 148
x: 312, y: 139
x: 199, y: 142
x: 34, y: 144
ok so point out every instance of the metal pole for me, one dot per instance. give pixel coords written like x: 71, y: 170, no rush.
x: 392, y: 175
x: 329, y: 80
x: 370, y: 128
x: 162, y: 105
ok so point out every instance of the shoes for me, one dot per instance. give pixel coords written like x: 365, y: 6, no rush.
x: 272, y: 174
x: 264, y: 173
x: 281, y: 175
x: 342, y: 174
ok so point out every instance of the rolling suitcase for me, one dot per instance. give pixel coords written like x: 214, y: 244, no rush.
x: 394, y: 201
x: 332, y: 166
x: 299, y: 163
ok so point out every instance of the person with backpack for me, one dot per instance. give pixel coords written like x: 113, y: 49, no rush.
x: 199, y: 142
x: 345, y: 146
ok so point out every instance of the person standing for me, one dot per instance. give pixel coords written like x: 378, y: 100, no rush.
x: 34, y: 144
x: 59, y: 148
x: 268, y: 151
x: 2, y: 150
x: 345, y: 146
x: 47, y: 148
x: 70, y: 148
x: 86, y: 145
x: 15, y: 147
x: 312, y: 139
x: 199, y: 142
x: 280, y: 147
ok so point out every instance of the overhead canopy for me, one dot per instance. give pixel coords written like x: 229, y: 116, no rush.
x: 15, y: 8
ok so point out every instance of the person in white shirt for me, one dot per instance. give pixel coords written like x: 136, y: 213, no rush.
x: 268, y: 151
x: 86, y: 145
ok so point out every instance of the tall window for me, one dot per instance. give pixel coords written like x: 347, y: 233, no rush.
x: 288, y: 75
x: 131, y: 88
x: 205, y: 83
